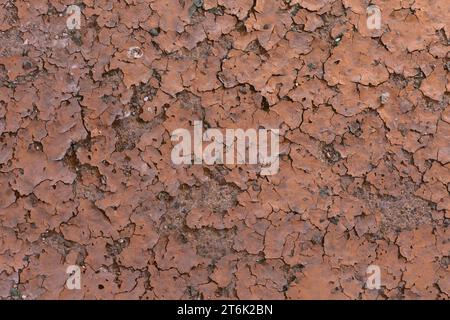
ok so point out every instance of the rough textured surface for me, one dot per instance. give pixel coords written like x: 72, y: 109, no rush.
x: 86, y: 176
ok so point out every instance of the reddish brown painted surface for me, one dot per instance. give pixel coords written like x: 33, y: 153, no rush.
x: 86, y: 176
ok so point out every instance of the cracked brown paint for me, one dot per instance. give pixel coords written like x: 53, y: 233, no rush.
x: 85, y: 171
